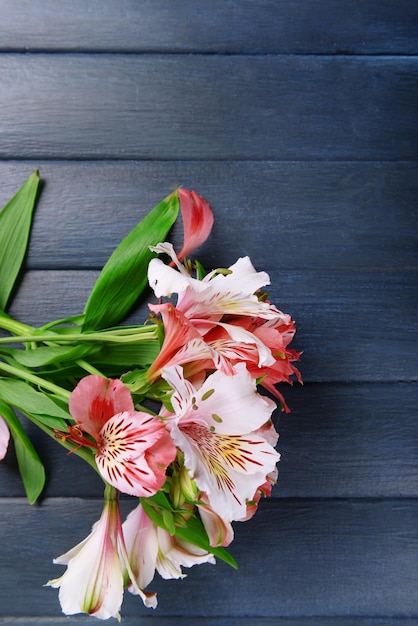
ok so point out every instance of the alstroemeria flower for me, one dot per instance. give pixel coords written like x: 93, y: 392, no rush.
x: 183, y: 344
x: 197, y: 219
x: 93, y: 582
x: 151, y: 548
x: 218, y: 294
x: 224, y: 309
x: 215, y: 428
x: 133, y: 448
x: 263, y: 349
x: 4, y: 437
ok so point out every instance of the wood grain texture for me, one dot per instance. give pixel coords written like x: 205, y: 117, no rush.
x: 317, y: 557
x: 297, y: 121
x: 338, y: 441
x: 216, y: 621
x: 237, y: 26
x: 208, y: 107
x: 86, y: 208
x: 351, y: 326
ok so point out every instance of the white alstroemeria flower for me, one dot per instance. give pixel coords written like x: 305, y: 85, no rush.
x: 217, y: 294
x: 151, y: 548
x: 215, y: 428
x: 93, y: 582
x: 4, y: 437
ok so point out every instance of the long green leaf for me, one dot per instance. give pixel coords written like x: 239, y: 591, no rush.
x: 33, y: 403
x: 124, y: 276
x: 31, y: 468
x: 15, y: 224
x: 51, y: 355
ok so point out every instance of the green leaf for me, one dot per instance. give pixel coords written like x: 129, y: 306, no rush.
x: 141, y: 353
x: 33, y: 403
x: 51, y: 355
x: 124, y: 276
x: 15, y: 224
x: 30, y: 465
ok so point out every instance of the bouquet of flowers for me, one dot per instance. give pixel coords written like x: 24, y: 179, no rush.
x: 168, y: 412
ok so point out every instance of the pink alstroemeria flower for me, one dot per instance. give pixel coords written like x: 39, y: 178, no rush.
x: 233, y: 323
x: 4, y: 437
x: 215, y: 428
x: 197, y: 219
x: 183, y: 344
x: 274, y: 335
x: 133, y: 448
x: 93, y: 582
x: 151, y: 548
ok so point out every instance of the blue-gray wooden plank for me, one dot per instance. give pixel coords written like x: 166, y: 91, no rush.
x: 358, y: 440
x: 209, y: 621
x: 296, y: 558
x: 319, y: 214
x: 208, y: 107
x: 265, y: 26
x: 358, y: 326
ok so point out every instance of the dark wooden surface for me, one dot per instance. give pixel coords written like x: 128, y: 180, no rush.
x: 298, y: 122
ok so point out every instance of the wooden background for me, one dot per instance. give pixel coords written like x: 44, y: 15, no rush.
x: 297, y: 121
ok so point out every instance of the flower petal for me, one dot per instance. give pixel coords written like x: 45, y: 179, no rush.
x: 93, y: 581
x: 227, y: 404
x: 141, y: 545
x: 173, y: 554
x: 95, y: 400
x: 229, y: 469
x: 165, y: 280
x: 219, y: 530
x: 197, y: 219
x: 125, y: 457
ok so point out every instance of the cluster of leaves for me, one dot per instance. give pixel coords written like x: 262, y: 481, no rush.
x: 36, y: 377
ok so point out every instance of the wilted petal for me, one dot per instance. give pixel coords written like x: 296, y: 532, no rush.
x: 95, y: 400
x: 4, y: 437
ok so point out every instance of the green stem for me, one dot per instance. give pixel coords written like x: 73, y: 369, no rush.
x: 35, y: 380
x: 89, y: 368
x: 101, y: 337
x: 13, y: 326
x: 111, y: 494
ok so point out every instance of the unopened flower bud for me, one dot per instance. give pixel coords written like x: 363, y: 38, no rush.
x: 187, y: 485
x: 176, y: 493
